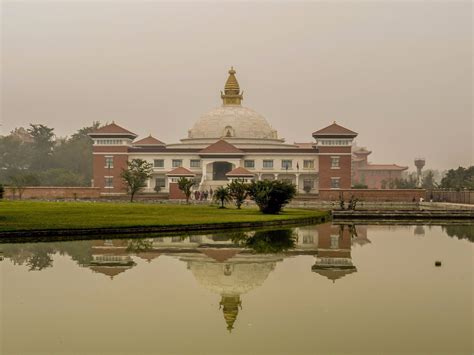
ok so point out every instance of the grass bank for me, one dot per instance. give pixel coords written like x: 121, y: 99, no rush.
x: 60, y: 218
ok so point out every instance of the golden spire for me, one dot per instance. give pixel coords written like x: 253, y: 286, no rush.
x: 232, y: 94
x: 230, y: 305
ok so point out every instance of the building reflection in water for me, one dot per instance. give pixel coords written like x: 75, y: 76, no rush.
x: 229, y: 265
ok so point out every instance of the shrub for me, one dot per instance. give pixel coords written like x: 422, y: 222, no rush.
x: 238, y: 191
x: 271, y: 195
x: 222, y: 194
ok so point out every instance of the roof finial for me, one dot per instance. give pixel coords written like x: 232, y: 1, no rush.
x: 232, y: 94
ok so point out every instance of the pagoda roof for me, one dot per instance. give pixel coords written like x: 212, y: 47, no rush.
x: 222, y: 147
x: 361, y: 151
x: 112, y: 129
x: 333, y: 273
x: 180, y: 172
x: 383, y: 167
x: 305, y: 145
x: 334, y: 130
x: 110, y: 271
x: 150, y: 140
x: 239, y: 172
x: 220, y: 255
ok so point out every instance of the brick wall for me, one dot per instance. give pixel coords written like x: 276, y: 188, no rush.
x: 100, y: 171
x: 175, y: 192
x: 42, y: 192
x: 344, y: 171
x: 372, y: 195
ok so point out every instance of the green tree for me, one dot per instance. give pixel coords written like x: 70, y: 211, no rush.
x: 2, y: 191
x: 222, y: 195
x: 459, y: 179
x: 428, y: 180
x: 75, y: 154
x: 270, y: 196
x: 186, y: 186
x: 21, y: 181
x: 267, y: 242
x: 43, y: 143
x: 136, y: 174
x: 60, y: 177
x: 238, y: 191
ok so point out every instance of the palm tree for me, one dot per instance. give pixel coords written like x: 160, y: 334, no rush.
x: 222, y: 194
x: 186, y: 185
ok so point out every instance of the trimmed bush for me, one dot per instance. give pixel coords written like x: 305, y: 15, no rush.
x: 271, y: 195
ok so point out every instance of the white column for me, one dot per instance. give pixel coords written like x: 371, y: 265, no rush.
x: 204, y: 173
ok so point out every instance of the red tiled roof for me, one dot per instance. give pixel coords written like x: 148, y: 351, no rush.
x: 239, y: 172
x: 110, y: 270
x: 113, y: 128
x: 221, y: 147
x: 383, y: 167
x: 180, y: 172
x: 362, y: 150
x: 149, y: 141
x: 220, y: 255
x: 335, y: 130
x: 308, y: 145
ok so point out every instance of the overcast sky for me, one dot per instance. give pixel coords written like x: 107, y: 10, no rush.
x: 397, y: 72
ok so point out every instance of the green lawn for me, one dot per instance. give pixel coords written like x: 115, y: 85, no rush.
x: 28, y: 215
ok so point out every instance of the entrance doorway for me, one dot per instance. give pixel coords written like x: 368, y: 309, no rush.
x: 219, y: 169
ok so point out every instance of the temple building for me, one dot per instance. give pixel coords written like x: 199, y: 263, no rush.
x: 374, y: 176
x: 228, y: 142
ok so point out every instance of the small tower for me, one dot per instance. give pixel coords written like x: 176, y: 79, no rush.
x: 232, y: 94
x: 419, y: 163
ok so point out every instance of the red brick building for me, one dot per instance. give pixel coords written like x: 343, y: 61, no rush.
x: 374, y: 176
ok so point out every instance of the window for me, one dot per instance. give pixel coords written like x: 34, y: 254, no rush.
x: 249, y: 164
x: 268, y: 164
x: 308, y: 184
x: 336, y: 142
x: 109, y: 162
x: 308, y: 164
x: 195, y: 163
x: 109, y: 182
x: 334, y: 162
x: 158, y: 163
x: 108, y: 141
x: 177, y: 163
x: 335, y: 183
x: 160, y: 181
x: 334, y: 242
x: 286, y: 164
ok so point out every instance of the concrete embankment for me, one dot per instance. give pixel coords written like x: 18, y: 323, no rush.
x: 47, y: 235
x: 467, y: 215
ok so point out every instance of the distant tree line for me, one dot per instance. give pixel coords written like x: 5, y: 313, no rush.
x: 35, y: 156
x: 459, y: 179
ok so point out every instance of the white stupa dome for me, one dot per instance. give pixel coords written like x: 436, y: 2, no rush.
x: 239, y: 125
x: 232, y: 121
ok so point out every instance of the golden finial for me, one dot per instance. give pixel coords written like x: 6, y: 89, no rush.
x: 232, y: 94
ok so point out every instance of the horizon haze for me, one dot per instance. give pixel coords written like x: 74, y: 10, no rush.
x: 398, y: 73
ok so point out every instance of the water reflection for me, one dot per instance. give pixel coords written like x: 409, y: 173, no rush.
x: 228, y: 265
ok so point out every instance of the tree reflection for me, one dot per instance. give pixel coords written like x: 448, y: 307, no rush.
x: 35, y: 256
x: 460, y: 231
x: 267, y: 242
x: 139, y: 245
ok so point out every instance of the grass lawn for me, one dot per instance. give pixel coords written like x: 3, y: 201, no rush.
x: 28, y: 215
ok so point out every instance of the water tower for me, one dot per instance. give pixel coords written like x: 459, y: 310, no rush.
x: 419, y: 163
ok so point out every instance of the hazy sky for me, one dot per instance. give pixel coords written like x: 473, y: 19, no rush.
x: 397, y: 72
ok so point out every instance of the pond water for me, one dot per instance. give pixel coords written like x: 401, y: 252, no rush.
x: 321, y: 289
